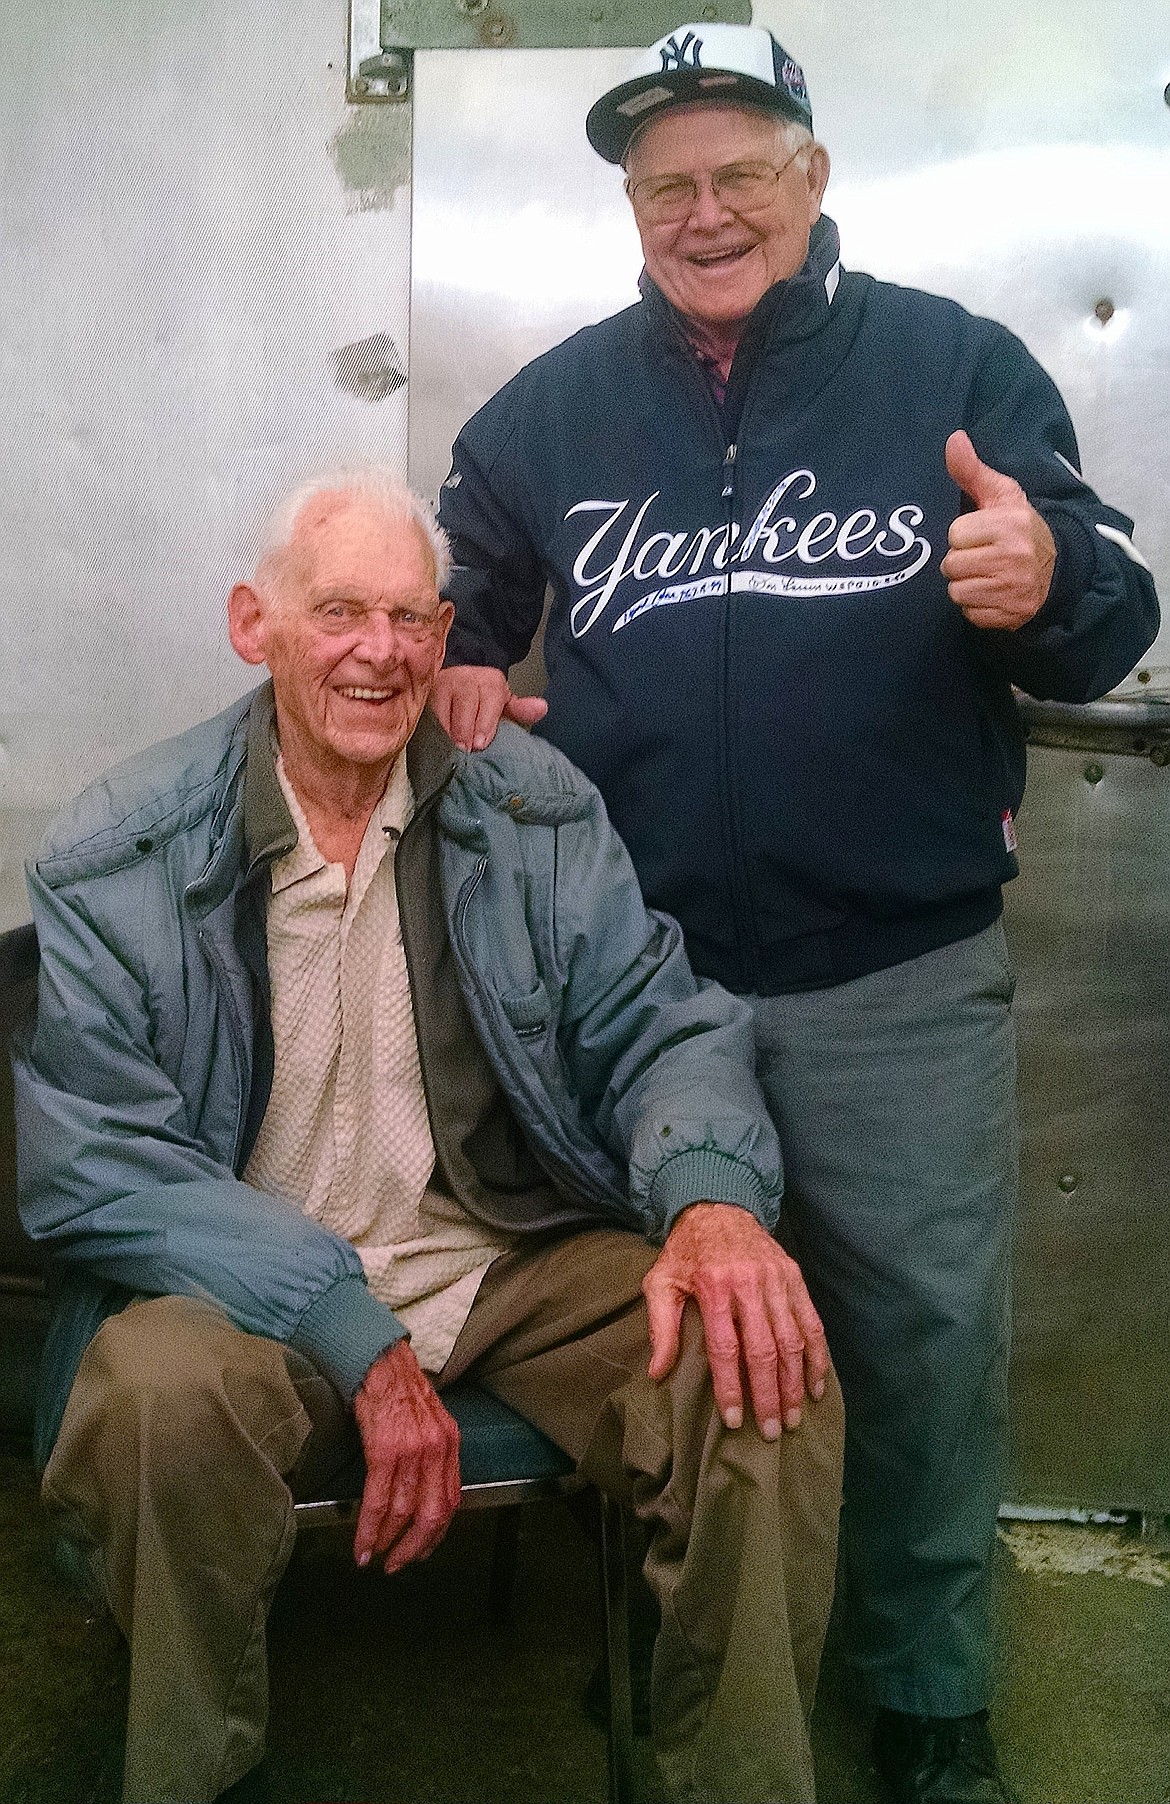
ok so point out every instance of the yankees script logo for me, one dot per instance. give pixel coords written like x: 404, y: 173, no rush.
x: 772, y: 538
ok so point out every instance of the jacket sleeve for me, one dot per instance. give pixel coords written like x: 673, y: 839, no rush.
x: 664, y: 1065
x: 113, y: 1180
x: 497, y: 581
x: 1102, y: 610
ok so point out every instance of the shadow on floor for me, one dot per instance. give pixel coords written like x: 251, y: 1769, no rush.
x: 402, y: 1692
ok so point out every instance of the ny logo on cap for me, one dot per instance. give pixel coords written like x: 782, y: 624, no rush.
x: 674, y: 54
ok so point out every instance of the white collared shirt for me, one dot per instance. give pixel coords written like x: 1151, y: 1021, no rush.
x: 346, y: 1132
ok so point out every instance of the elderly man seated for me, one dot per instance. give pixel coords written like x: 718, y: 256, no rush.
x: 360, y: 1066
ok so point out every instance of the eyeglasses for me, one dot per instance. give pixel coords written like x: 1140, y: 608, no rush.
x: 742, y: 187
x: 345, y: 619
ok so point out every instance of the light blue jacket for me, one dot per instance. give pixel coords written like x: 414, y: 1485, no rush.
x: 139, y: 1089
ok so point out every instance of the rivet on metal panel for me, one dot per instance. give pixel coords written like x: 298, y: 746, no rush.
x: 1094, y: 773
x: 1160, y: 755
x: 710, y: 12
x: 498, y: 30
x: 1143, y: 676
x: 472, y: 8
x: 1068, y: 1181
x: 1104, y: 310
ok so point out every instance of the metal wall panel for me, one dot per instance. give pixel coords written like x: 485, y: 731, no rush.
x: 1018, y: 160
x: 205, y: 292
x: 1089, y: 923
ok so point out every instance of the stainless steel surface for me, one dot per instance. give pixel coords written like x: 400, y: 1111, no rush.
x: 1089, y: 923
x: 1020, y: 162
x: 520, y: 235
x: 195, y: 228
x: 1115, y: 724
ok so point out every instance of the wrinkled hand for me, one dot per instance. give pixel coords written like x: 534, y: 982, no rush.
x: 757, y: 1315
x: 471, y: 700
x: 411, y: 1445
x: 1001, y: 558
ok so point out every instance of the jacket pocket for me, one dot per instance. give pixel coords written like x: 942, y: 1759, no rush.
x: 528, y: 1015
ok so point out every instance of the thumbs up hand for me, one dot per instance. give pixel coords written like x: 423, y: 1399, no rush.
x: 1001, y: 558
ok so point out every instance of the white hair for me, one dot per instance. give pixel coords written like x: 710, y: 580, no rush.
x: 791, y: 134
x: 377, y: 485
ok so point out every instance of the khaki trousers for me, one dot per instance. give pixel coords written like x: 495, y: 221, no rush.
x: 185, y: 1442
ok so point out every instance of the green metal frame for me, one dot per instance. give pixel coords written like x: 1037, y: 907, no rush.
x: 405, y: 26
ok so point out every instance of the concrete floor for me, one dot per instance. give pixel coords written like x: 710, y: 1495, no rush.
x: 400, y: 1692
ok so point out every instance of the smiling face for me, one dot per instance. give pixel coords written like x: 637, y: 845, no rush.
x: 716, y: 264
x: 349, y: 621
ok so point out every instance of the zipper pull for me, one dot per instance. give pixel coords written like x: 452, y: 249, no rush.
x: 728, y: 473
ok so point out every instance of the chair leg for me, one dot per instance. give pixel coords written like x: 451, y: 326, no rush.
x: 615, y: 1608
x: 502, y: 1578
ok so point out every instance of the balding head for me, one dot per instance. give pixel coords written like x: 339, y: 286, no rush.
x: 345, y: 611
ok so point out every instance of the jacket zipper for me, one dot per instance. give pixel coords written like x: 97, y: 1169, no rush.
x: 744, y: 914
x: 236, y: 1032
x: 465, y: 895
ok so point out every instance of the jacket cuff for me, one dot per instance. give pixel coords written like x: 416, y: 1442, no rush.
x: 464, y: 647
x: 1074, y: 570
x: 344, y: 1331
x: 704, y: 1175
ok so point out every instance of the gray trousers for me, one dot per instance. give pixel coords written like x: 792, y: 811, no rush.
x: 894, y: 1098
x: 185, y: 1441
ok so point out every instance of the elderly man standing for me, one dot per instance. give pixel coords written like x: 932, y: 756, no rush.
x: 360, y: 1065
x: 804, y: 531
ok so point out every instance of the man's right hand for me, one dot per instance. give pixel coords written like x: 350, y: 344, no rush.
x: 411, y: 1444
x: 472, y: 699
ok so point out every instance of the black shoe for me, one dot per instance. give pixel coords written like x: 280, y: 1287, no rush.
x: 938, y: 1759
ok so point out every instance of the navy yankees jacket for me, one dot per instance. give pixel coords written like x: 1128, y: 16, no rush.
x: 814, y: 759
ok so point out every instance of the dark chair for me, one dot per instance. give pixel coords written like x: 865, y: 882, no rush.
x: 504, y: 1459
x: 23, y: 1307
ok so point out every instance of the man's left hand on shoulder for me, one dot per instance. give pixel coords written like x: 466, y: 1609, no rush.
x: 1002, y: 555
x: 758, y: 1317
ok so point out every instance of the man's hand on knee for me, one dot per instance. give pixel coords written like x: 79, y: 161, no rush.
x: 411, y: 1444
x: 757, y: 1315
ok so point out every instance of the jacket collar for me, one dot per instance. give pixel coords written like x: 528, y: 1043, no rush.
x: 269, y: 829
x: 790, y: 310
x: 431, y: 760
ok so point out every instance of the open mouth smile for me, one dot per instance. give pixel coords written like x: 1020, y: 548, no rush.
x: 723, y: 259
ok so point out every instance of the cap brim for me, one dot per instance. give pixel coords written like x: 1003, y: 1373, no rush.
x: 612, y: 121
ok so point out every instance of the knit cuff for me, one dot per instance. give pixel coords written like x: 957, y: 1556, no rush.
x: 344, y: 1331
x: 704, y: 1175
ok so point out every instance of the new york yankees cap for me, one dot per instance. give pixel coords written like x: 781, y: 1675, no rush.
x: 741, y: 63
